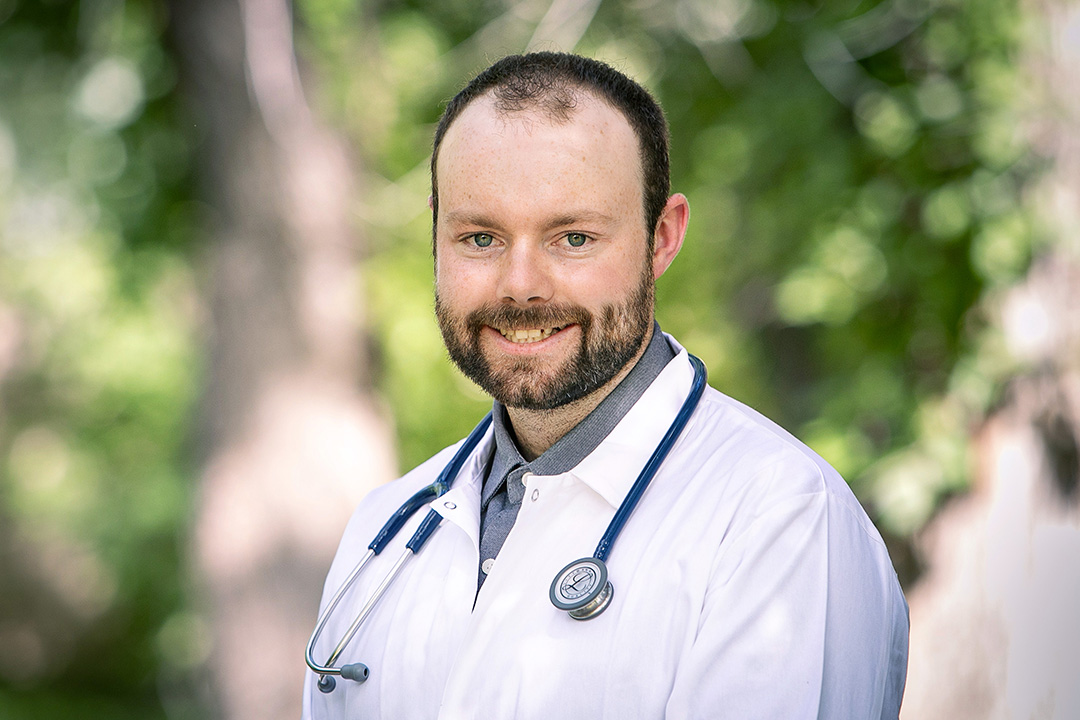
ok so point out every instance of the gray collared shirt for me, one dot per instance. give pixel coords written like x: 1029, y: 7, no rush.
x: 503, y: 489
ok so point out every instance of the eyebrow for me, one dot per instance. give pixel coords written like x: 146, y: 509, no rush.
x: 573, y: 218
x: 458, y: 217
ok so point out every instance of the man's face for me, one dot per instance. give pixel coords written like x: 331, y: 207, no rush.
x: 544, y: 281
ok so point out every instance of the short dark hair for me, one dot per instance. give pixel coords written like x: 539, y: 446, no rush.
x: 550, y: 82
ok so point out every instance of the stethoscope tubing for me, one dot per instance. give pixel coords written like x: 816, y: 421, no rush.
x: 431, y: 523
x: 618, y: 521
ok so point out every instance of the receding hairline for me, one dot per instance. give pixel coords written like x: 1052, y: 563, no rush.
x: 558, y: 112
x: 535, y: 108
x: 558, y: 101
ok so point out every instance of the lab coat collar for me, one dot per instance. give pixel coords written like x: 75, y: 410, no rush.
x: 461, y: 504
x: 612, y: 468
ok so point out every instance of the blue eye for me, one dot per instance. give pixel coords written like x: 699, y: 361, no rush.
x: 576, y: 239
x: 482, y: 240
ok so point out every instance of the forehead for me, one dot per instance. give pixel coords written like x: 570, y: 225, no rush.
x: 527, y: 151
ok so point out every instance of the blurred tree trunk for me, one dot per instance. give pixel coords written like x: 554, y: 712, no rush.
x: 994, y: 621
x: 289, y: 435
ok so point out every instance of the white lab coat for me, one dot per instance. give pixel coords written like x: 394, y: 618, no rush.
x: 748, y: 584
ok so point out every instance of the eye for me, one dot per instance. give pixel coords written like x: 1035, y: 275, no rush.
x: 576, y: 239
x: 482, y: 240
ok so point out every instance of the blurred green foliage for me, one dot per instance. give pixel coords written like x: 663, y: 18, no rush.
x: 854, y: 171
x: 856, y: 177
x: 98, y: 356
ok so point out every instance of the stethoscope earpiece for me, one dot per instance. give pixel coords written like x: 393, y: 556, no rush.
x: 582, y: 589
x: 357, y: 672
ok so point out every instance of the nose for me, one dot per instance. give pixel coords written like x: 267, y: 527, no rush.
x: 524, y: 278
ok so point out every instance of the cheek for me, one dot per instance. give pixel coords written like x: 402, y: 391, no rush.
x: 612, y: 280
x: 457, y: 282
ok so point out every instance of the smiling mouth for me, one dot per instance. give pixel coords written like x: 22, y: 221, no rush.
x: 530, y: 335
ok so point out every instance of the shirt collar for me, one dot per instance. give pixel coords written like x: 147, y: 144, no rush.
x: 612, y: 467
x: 586, y: 436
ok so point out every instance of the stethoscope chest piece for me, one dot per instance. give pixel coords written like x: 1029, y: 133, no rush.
x: 582, y: 589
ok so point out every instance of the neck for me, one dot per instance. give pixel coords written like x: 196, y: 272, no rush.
x: 537, y: 430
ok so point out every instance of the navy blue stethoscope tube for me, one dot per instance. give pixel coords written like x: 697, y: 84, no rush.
x: 581, y: 588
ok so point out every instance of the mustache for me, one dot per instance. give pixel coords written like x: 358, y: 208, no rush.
x: 510, y: 317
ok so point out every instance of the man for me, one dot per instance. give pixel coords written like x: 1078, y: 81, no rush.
x: 747, y: 583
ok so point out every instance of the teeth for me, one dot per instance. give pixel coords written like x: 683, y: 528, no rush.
x: 529, y: 336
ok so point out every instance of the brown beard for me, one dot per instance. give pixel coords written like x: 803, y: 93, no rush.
x: 608, y: 343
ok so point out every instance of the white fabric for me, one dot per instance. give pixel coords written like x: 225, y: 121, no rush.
x: 748, y: 584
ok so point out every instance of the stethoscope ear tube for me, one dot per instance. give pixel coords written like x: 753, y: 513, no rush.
x: 358, y: 671
x: 327, y: 683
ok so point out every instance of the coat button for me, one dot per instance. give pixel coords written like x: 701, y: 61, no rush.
x: 487, y: 565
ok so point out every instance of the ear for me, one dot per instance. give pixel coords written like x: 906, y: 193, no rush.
x: 431, y: 202
x: 670, y: 231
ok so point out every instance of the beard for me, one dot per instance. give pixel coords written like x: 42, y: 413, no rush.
x: 609, y: 340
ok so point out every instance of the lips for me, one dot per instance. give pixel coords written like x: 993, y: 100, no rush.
x: 529, y: 335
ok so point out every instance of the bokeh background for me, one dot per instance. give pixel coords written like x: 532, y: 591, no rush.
x: 216, y: 327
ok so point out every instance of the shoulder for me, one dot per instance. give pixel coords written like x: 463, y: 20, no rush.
x: 774, y: 500
x: 750, y: 460
x: 795, y: 581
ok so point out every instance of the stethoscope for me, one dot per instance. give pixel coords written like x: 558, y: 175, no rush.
x: 581, y: 588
